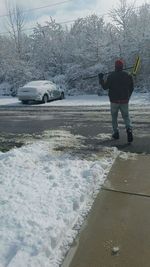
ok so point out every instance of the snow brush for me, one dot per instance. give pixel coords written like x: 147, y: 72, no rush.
x: 134, y: 69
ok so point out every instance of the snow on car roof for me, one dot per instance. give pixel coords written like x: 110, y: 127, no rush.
x: 38, y: 83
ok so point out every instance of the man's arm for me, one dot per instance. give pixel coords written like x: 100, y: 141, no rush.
x: 104, y: 84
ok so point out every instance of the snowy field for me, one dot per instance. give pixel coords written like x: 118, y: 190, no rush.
x: 45, y: 195
x: 82, y: 100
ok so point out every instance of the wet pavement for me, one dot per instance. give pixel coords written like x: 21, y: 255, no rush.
x: 88, y: 122
x: 131, y: 175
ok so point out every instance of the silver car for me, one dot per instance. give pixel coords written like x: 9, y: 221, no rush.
x: 42, y: 91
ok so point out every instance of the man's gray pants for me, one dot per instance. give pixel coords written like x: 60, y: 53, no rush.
x: 115, y: 107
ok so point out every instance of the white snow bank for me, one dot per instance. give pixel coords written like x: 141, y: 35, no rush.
x: 43, y: 195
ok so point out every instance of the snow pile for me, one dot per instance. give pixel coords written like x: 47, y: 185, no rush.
x: 44, y: 197
x: 127, y: 155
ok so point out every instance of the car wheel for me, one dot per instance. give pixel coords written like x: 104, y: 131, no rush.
x: 24, y: 101
x: 62, y: 96
x: 45, y: 99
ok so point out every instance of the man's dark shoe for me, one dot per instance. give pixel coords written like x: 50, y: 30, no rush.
x: 115, y: 135
x: 129, y: 135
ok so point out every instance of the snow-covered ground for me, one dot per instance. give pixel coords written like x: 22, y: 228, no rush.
x: 82, y: 100
x: 44, y: 197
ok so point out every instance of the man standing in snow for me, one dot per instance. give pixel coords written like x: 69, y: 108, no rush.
x: 120, y: 85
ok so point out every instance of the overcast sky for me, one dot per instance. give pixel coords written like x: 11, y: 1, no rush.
x: 69, y: 10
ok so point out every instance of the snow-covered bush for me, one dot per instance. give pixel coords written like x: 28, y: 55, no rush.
x: 61, y: 81
x: 5, y: 89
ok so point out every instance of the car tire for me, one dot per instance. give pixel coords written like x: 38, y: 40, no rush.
x: 45, y: 99
x: 24, y: 101
x: 62, y: 96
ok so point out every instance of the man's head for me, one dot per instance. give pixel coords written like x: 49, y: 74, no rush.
x: 118, y: 65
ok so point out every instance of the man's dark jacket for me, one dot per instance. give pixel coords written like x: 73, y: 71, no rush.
x: 120, y: 85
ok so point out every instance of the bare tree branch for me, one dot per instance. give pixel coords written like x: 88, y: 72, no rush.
x: 15, y: 23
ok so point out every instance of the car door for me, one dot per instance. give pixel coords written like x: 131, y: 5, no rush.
x: 56, y: 92
x: 50, y: 90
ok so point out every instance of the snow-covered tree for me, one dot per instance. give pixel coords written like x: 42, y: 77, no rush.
x: 68, y: 56
x: 48, y: 45
x: 87, y: 36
